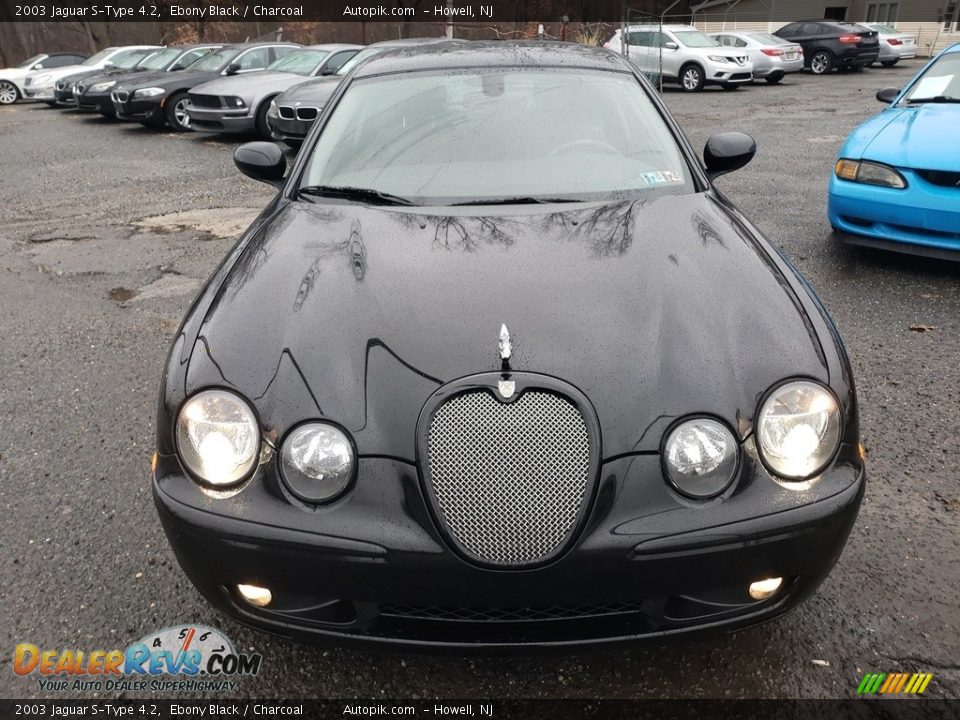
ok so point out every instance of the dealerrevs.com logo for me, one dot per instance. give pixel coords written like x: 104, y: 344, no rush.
x: 181, y: 658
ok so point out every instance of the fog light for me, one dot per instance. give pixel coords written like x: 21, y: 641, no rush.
x: 762, y: 589
x: 261, y: 597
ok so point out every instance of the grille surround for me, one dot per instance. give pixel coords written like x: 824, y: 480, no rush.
x: 528, y: 504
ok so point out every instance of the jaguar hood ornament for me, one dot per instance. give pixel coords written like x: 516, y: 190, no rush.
x: 504, y: 344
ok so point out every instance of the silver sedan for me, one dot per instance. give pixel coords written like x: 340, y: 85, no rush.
x: 772, y: 57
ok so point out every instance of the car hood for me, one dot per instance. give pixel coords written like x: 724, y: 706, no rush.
x: 909, y: 137
x: 258, y: 83
x: 13, y: 73
x: 169, y: 80
x: 358, y: 314
x: 314, y: 91
x: 61, y: 72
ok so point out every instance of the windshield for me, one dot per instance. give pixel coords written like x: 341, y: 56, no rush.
x: 130, y: 58
x: 478, y: 136
x: 214, y: 61
x: 940, y: 82
x: 299, y: 62
x: 30, y: 61
x: 95, y: 59
x: 696, y: 39
x: 359, y: 58
x: 159, y: 60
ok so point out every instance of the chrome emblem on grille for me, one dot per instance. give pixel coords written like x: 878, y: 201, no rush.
x: 504, y: 343
x: 506, y: 388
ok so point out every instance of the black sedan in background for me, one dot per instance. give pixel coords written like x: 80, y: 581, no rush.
x: 160, y: 98
x: 828, y: 45
x: 499, y: 367
x: 65, y: 89
x: 292, y: 112
x: 92, y: 94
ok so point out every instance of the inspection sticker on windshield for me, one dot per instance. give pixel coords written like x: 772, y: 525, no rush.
x: 664, y: 177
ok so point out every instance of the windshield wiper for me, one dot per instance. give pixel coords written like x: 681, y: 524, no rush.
x: 518, y: 201
x: 936, y: 99
x: 351, y: 193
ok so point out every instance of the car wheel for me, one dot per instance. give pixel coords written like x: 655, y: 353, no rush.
x: 8, y: 93
x: 821, y: 62
x: 774, y: 78
x: 263, y: 129
x: 691, y: 78
x: 177, y: 117
x: 890, y: 63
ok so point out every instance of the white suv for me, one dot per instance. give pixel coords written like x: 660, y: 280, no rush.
x: 683, y: 55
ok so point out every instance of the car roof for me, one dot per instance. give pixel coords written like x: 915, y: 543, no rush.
x: 492, y: 54
x: 665, y: 26
x: 333, y: 47
x: 404, y: 42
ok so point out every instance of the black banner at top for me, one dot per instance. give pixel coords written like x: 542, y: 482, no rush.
x: 456, y: 11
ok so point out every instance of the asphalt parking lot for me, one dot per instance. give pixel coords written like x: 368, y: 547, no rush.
x: 108, y: 231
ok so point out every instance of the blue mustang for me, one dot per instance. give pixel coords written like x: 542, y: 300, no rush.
x: 896, y: 184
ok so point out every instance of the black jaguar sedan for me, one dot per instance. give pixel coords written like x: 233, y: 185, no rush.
x: 499, y: 368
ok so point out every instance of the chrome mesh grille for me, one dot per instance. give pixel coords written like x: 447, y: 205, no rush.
x: 509, y: 479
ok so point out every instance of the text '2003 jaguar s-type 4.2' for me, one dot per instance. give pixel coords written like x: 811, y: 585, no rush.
x: 500, y: 368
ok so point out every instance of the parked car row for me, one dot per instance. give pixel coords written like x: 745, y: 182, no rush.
x: 684, y: 55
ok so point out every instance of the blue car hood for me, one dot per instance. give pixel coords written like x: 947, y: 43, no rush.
x: 909, y: 137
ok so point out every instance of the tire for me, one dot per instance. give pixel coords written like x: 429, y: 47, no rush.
x: 821, y: 62
x: 729, y: 87
x: 691, y: 78
x: 263, y: 129
x: 774, y: 78
x: 890, y: 63
x: 177, y: 117
x: 9, y: 93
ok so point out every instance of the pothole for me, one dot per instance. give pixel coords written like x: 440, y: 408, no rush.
x: 211, y: 224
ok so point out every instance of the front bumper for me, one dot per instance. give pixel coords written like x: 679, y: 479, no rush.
x: 372, y: 568
x: 921, y: 219
x: 727, y: 73
x: 221, y: 120
x: 148, y: 110
x: 43, y: 93
x: 284, y: 129
x: 99, y: 102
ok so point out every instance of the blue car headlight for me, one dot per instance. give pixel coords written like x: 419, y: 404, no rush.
x: 869, y: 173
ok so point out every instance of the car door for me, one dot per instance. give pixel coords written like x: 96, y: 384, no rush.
x: 252, y: 60
x: 671, y: 53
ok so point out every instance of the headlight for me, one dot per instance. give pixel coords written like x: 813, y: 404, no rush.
x: 272, y: 110
x: 798, y: 429
x: 718, y: 58
x: 100, y: 87
x: 700, y: 457
x: 148, y: 92
x: 217, y: 437
x: 316, y: 462
x: 869, y: 173
x: 234, y: 101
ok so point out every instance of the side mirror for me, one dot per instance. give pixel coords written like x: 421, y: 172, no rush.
x: 726, y: 152
x: 670, y: 46
x: 232, y: 69
x: 328, y: 71
x: 38, y: 66
x: 888, y: 95
x: 108, y: 65
x: 263, y: 161
x: 175, y: 67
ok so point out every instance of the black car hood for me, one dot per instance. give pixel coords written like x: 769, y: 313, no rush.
x: 169, y: 80
x: 358, y: 314
x: 315, y: 92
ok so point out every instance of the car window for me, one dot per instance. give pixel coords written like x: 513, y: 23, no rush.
x: 301, y: 62
x: 214, y: 61
x: 640, y: 38
x: 725, y: 40
x: 788, y: 30
x: 359, y: 58
x: 487, y: 135
x: 281, y: 51
x: 940, y: 80
x: 336, y: 62
x: 695, y: 39
x: 58, y: 61
x: 159, y: 59
x: 255, y: 59
x: 102, y: 55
